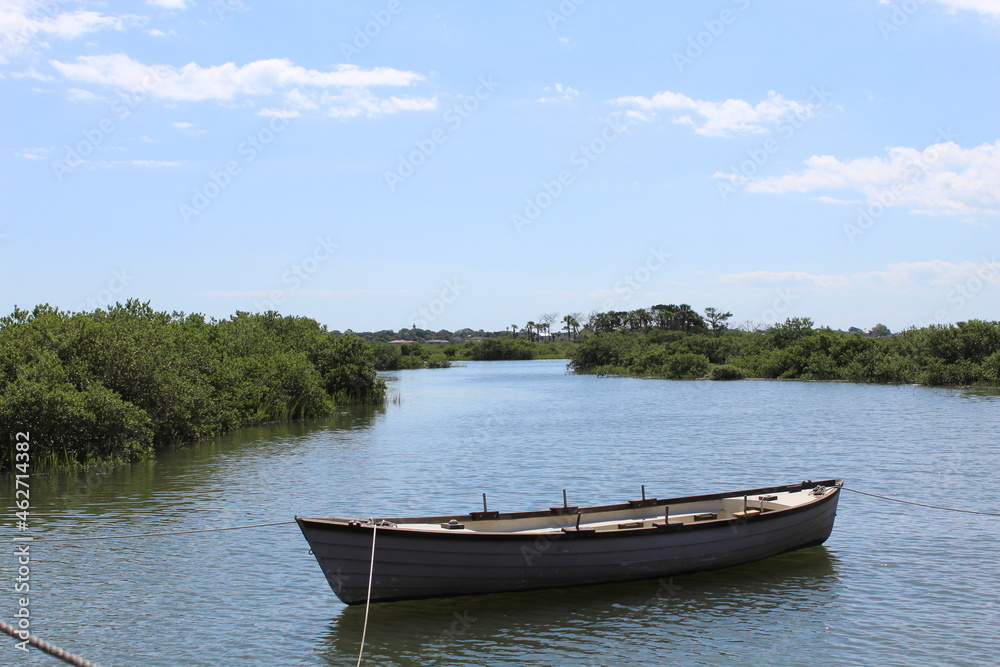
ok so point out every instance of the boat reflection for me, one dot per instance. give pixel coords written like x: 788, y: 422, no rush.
x: 581, y: 623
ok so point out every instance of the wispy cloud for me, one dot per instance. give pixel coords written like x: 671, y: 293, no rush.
x: 168, y: 4
x: 988, y: 7
x: 942, y: 179
x: 558, y: 93
x: 894, y: 277
x: 158, y: 164
x: 305, y: 292
x: 732, y: 116
x: 189, y: 128
x: 343, y: 91
x: 23, y: 23
x: 833, y: 200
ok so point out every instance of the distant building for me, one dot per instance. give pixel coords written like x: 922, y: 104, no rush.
x: 400, y: 341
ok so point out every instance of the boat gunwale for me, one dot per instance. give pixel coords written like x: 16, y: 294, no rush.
x: 400, y: 530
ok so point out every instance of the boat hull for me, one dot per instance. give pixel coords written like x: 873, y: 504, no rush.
x: 413, y: 564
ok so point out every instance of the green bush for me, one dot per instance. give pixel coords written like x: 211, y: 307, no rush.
x: 501, y: 348
x: 112, y: 384
x: 726, y: 372
x: 686, y: 366
x: 963, y: 354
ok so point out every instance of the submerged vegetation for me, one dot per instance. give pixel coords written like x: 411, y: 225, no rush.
x: 112, y: 385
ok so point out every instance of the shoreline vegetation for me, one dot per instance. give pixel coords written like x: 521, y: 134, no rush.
x: 675, y: 342
x: 963, y: 354
x: 115, y: 385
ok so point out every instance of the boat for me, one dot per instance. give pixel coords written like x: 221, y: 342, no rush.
x: 386, y: 559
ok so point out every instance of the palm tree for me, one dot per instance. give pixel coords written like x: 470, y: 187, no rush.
x: 513, y: 328
x: 575, y: 322
x: 529, y: 327
x: 571, y: 325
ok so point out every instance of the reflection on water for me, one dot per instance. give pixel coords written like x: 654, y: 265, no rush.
x: 608, y: 620
x: 894, y: 585
x: 980, y: 392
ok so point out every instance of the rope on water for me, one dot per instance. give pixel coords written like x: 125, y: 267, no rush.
x: 46, y: 647
x: 368, y: 600
x: 171, y: 532
x: 910, y: 502
x: 43, y: 538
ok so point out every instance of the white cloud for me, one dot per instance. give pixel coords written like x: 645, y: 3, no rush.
x: 895, y: 277
x: 943, y: 179
x: 80, y: 95
x: 279, y: 113
x: 988, y: 7
x: 561, y: 92
x: 302, y: 88
x: 834, y: 200
x: 307, y: 292
x: 717, y: 118
x: 189, y: 128
x: 169, y: 164
x: 23, y: 23
x: 73, y: 24
x: 168, y: 4
x: 32, y: 73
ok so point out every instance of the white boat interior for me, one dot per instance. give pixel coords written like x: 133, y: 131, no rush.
x: 645, y: 514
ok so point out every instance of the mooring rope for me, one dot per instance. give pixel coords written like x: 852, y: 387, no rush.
x: 368, y: 600
x: 43, y: 538
x: 910, y: 502
x: 170, y: 532
x: 46, y: 647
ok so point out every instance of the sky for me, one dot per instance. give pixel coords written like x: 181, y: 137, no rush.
x: 379, y: 165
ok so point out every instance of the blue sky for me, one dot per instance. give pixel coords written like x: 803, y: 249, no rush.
x: 376, y: 165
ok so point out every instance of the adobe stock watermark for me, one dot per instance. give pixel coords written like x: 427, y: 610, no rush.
x: 966, y: 291
x: 427, y: 314
x: 890, y: 195
x: 900, y: 14
x: 299, y: 272
x: 562, y: 12
x: 93, y: 138
x: 541, y: 544
x: 218, y: 181
x: 740, y: 176
x: 226, y: 9
x: 782, y: 303
x: 703, y: 40
x: 582, y: 158
x: 453, y: 118
x: 633, y: 281
x: 118, y: 283
x: 365, y: 34
x: 667, y: 590
x: 460, y: 625
x: 18, y: 40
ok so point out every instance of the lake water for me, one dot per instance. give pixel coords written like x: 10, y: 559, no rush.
x: 894, y: 585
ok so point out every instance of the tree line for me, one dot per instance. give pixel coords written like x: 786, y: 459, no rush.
x: 966, y: 353
x: 114, y: 384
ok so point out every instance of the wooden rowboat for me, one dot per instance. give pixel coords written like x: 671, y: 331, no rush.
x: 493, y: 552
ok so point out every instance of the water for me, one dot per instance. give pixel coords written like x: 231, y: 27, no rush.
x: 894, y: 585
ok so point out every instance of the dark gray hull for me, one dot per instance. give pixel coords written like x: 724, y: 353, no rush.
x: 414, y: 564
